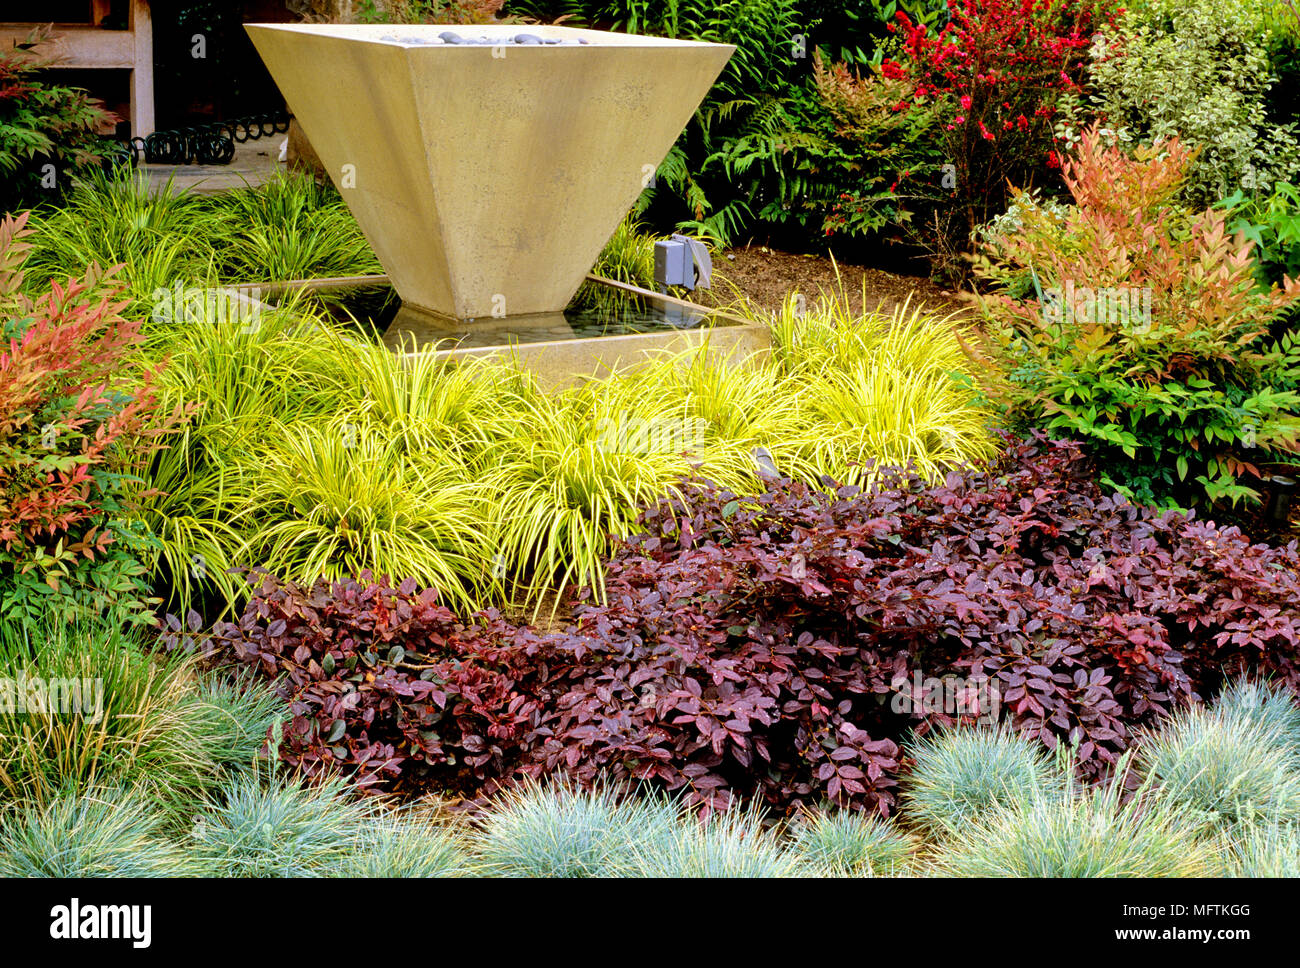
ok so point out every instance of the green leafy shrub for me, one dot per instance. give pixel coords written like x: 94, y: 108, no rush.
x: 1199, y: 71
x: 98, y: 833
x: 75, y: 421
x: 1225, y: 770
x: 42, y: 124
x: 767, y: 150
x: 1145, y: 336
x: 857, y: 31
x: 1281, y: 22
x: 1272, y: 223
x: 889, y: 159
x: 960, y: 777
x: 562, y: 831
x: 849, y: 844
x: 993, y: 235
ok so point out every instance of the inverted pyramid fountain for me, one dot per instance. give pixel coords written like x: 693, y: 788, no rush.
x: 487, y: 166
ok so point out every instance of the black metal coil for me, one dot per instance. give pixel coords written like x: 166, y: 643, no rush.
x: 206, y: 144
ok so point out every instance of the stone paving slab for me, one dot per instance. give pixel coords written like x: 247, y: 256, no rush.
x: 255, y: 163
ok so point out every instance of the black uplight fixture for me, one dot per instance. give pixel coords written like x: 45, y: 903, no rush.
x: 1281, y: 490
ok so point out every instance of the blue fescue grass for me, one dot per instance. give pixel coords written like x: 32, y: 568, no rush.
x: 959, y: 776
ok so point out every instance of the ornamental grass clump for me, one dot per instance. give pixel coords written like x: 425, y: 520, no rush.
x: 340, y: 497
x: 1226, y: 771
x: 431, y: 402
x: 157, y: 233
x: 880, y: 389
x: 102, y: 832
x: 291, y: 227
x: 961, y: 776
x: 162, y: 235
x: 230, y: 720
x: 1263, y: 850
x: 559, y: 830
x: 715, y: 413
x: 278, y: 827
x: 562, y: 482
x: 733, y: 843
x: 1093, y: 832
x: 248, y: 384
x: 1268, y: 705
x: 404, y: 843
x: 628, y: 256
x: 111, y: 712
x: 848, y: 844
x: 315, y: 455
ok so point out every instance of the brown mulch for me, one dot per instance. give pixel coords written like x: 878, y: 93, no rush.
x: 763, y: 276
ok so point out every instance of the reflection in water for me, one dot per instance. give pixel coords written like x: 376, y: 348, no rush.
x: 576, y: 323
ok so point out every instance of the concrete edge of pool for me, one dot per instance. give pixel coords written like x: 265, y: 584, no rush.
x: 563, y: 362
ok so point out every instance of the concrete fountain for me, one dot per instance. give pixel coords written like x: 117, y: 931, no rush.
x: 487, y: 166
